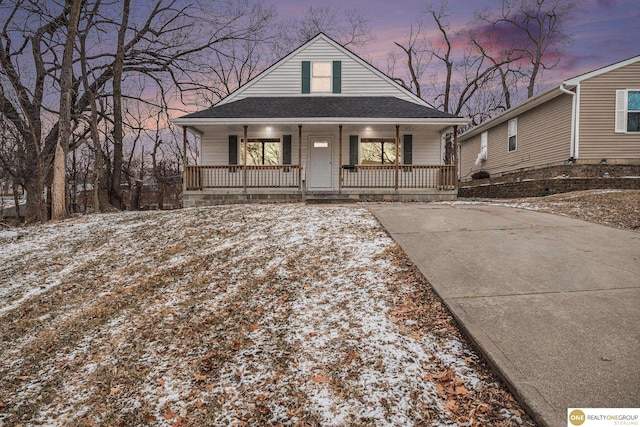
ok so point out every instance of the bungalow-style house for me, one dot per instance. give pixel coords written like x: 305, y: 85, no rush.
x: 592, y: 118
x: 321, y: 123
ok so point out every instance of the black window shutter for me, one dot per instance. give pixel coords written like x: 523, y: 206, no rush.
x: 286, y: 149
x: 306, y: 77
x: 337, y: 76
x: 353, y: 149
x: 407, y: 150
x: 233, y: 149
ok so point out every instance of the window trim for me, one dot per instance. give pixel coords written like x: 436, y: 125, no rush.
x: 509, y: 135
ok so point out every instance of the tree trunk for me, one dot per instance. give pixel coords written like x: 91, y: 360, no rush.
x: 16, y: 200
x: 58, y: 189
x: 58, y: 201
x: 116, y: 192
x: 161, y: 192
x: 33, y: 207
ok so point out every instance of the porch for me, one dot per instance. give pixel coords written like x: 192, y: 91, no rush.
x: 273, y: 162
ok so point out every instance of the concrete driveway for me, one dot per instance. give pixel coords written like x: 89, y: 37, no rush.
x: 553, y: 303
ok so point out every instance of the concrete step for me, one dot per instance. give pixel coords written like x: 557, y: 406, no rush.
x: 329, y: 198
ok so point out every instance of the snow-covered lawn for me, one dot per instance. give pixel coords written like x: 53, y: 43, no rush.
x: 235, y: 315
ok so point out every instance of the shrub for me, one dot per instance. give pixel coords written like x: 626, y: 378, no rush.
x: 480, y: 175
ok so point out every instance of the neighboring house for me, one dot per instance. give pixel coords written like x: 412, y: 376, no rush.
x: 321, y: 122
x: 591, y: 118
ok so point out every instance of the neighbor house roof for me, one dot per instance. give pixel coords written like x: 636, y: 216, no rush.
x: 318, y: 109
x: 543, y: 97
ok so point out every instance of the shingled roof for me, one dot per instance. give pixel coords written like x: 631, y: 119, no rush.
x: 318, y: 107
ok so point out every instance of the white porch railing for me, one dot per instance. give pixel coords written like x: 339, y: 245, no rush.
x: 267, y: 176
x: 403, y: 176
x: 441, y: 177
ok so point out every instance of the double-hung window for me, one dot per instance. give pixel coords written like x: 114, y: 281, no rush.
x: 627, y: 111
x: 513, y: 134
x: 321, y: 77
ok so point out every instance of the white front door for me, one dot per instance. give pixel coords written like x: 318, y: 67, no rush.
x: 320, y: 163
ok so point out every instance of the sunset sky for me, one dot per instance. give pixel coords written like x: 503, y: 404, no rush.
x: 604, y: 31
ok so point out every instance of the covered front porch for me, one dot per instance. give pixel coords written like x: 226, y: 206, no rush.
x: 273, y: 161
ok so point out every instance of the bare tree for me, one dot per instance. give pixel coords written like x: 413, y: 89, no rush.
x: 167, y: 43
x: 417, y: 59
x: 350, y: 28
x: 457, y: 74
x: 538, y: 30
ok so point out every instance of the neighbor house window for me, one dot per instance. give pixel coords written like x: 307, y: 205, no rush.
x: 377, y: 151
x: 633, y: 111
x: 264, y: 151
x: 627, y: 111
x: 513, y: 134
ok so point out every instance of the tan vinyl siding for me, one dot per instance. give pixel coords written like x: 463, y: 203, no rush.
x: 597, y: 139
x: 286, y: 78
x: 543, y: 137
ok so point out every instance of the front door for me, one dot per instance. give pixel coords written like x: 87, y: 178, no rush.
x: 320, y: 163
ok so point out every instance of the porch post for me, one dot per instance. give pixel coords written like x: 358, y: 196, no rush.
x: 340, y: 159
x: 455, y: 156
x: 244, y: 160
x: 397, y: 152
x: 300, y: 156
x: 184, y: 158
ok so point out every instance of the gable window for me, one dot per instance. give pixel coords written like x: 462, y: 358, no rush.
x: 513, y: 134
x: 321, y: 77
x: 377, y: 151
x: 262, y: 151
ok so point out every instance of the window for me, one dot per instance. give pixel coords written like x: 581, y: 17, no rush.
x: 633, y: 111
x: 264, y: 151
x: 513, y: 134
x: 377, y: 151
x: 321, y: 77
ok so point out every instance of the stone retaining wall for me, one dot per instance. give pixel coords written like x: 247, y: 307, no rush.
x: 545, y: 187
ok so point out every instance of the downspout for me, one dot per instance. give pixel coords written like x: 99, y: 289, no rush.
x: 572, y: 150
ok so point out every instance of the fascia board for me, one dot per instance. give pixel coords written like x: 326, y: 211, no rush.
x: 320, y: 120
